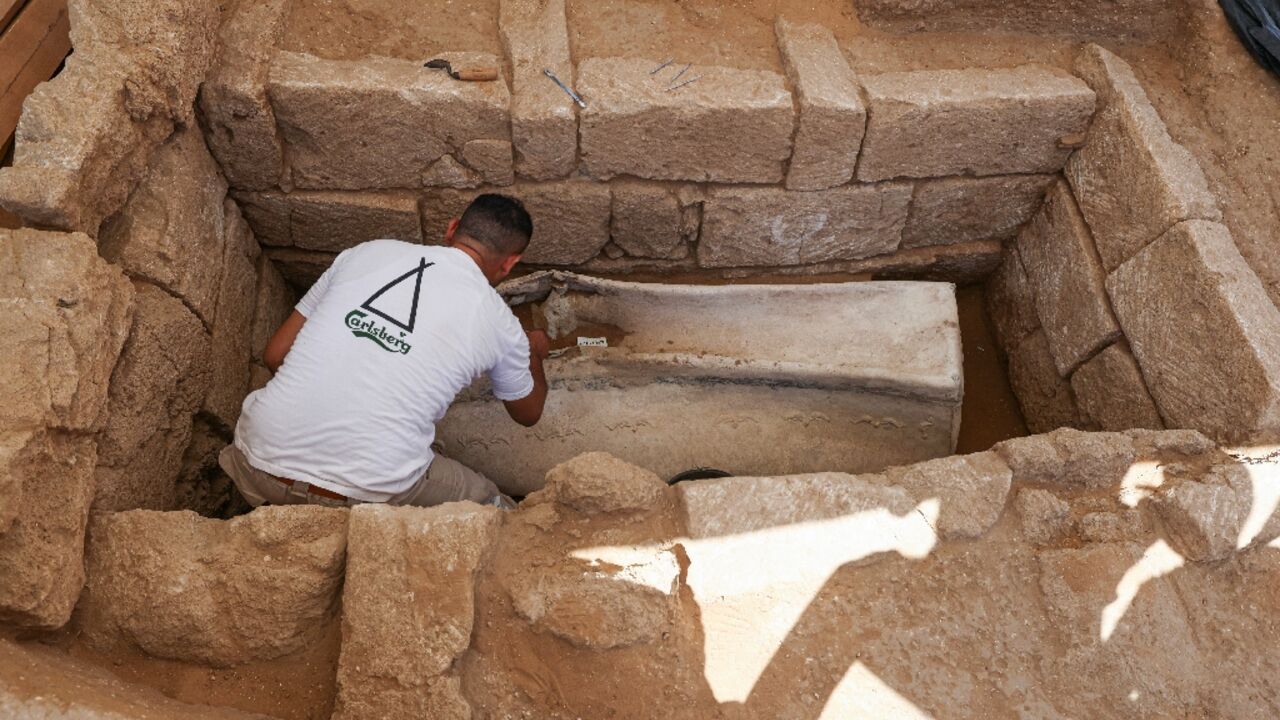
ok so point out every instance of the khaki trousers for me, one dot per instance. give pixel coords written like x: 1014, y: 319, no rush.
x: 446, y: 480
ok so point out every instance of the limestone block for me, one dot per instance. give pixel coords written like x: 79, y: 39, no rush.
x: 377, y: 122
x: 168, y: 44
x: 77, y: 154
x: 956, y: 210
x: 570, y: 218
x: 274, y: 305
x: 447, y: 172
x: 491, y: 159
x: 1044, y: 395
x: 171, y: 230
x: 1057, y: 253
x: 596, y: 482
x: 39, y: 682
x: 1010, y: 301
x: 544, y: 124
x: 932, y: 123
x: 231, y: 342
x: 1093, y: 460
x: 66, y: 316
x: 239, y: 123
x: 329, y: 220
x: 1204, y: 332
x: 47, y: 478
x: 215, y: 592
x: 1112, y: 394
x: 746, y: 505
x: 771, y: 226
x: 831, y: 117
x: 972, y: 490
x: 1046, y: 518
x: 158, y: 384
x: 300, y: 268
x: 730, y: 125
x: 646, y: 220
x: 1132, y: 180
x: 408, y: 608
x: 1202, y: 520
x: 85, y: 138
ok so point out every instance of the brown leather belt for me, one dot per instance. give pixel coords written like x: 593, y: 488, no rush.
x: 314, y: 490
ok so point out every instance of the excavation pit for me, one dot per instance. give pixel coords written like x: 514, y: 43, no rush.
x: 1080, y: 225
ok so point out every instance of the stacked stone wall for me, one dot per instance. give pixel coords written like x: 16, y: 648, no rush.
x: 741, y: 171
x: 138, y: 324
x: 1125, y: 303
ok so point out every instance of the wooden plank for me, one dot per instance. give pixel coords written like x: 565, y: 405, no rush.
x: 24, y: 36
x: 7, y: 219
x: 8, y: 9
x: 39, y: 68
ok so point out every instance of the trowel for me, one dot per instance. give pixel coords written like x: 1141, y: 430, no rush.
x: 480, y: 73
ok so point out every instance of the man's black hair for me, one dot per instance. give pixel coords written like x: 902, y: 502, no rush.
x: 499, y: 223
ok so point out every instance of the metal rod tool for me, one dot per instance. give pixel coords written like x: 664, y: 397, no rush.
x: 564, y: 87
x: 665, y: 63
x: 693, y: 79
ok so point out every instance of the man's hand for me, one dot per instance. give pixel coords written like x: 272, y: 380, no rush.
x: 539, y: 344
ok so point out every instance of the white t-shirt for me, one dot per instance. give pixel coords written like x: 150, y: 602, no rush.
x: 394, y: 332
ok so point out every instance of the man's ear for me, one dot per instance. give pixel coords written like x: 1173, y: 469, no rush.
x: 510, y: 263
x: 448, y: 233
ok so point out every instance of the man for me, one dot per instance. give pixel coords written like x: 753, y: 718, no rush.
x: 372, y: 357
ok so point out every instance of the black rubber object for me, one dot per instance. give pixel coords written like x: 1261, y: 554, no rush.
x: 1257, y: 24
x: 699, y: 473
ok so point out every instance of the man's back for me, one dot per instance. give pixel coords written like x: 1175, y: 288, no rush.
x: 393, y: 332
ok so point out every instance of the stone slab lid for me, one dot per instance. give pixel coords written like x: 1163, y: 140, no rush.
x: 899, y: 338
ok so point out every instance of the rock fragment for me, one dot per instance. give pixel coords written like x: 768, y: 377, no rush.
x: 1046, y: 518
x: 597, y: 482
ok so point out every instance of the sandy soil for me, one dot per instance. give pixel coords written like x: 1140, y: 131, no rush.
x: 301, y: 686
x: 734, y: 33
x: 349, y: 29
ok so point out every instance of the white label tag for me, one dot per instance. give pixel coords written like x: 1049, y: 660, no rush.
x: 593, y: 342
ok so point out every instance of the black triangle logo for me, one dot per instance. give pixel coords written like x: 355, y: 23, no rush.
x: 390, y: 316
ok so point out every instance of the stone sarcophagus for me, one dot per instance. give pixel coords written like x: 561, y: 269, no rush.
x: 749, y: 379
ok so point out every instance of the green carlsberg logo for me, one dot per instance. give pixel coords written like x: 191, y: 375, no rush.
x: 361, y: 327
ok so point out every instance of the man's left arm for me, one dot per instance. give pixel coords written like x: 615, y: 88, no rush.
x: 282, y: 341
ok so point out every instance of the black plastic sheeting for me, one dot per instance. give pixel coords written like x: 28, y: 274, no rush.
x: 1257, y: 23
